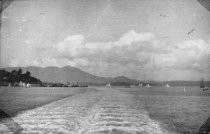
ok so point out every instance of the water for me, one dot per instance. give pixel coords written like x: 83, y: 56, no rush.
x: 106, y: 111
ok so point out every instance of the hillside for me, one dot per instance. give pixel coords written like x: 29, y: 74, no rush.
x: 69, y: 74
x: 122, y: 80
x: 72, y: 74
x: 63, y: 74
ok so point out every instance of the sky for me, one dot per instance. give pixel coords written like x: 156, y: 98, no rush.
x: 141, y: 39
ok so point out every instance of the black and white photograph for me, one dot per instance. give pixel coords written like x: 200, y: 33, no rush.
x: 104, y: 66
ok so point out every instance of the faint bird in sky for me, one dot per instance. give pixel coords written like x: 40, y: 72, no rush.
x: 191, y: 31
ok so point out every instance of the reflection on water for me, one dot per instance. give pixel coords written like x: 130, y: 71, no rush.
x: 102, y: 112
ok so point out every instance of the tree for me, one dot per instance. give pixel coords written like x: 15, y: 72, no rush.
x: 28, y: 74
x: 19, y: 75
x: 14, y: 72
x: 19, y: 71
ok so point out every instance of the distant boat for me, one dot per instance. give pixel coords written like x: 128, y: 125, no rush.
x: 202, y: 85
x: 148, y: 85
x: 167, y: 85
x: 28, y: 85
x: 108, y: 85
x: 76, y: 85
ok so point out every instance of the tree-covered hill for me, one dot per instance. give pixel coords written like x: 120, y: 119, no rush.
x: 15, y: 76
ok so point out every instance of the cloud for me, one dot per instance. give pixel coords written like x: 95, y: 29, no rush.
x: 133, y: 37
x: 70, y: 46
x: 190, y: 53
x: 137, y: 55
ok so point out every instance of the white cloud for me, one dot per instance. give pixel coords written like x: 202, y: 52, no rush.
x: 13, y: 62
x: 71, y: 45
x: 133, y: 37
x: 138, y: 55
x: 190, y: 52
x: 27, y: 41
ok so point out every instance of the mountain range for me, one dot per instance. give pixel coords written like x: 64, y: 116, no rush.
x: 69, y: 74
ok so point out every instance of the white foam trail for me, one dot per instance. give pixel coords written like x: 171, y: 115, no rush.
x: 101, y: 112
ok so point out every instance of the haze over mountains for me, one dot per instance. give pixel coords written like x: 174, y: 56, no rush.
x: 69, y: 74
x: 72, y: 74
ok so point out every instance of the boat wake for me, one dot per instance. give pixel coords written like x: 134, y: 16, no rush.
x: 103, y: 112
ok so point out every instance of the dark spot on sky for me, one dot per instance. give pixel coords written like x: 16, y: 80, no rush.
x: 4, y: 4
x: 205, y: 3
x: 191, y: 31
x: 163, y: 15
